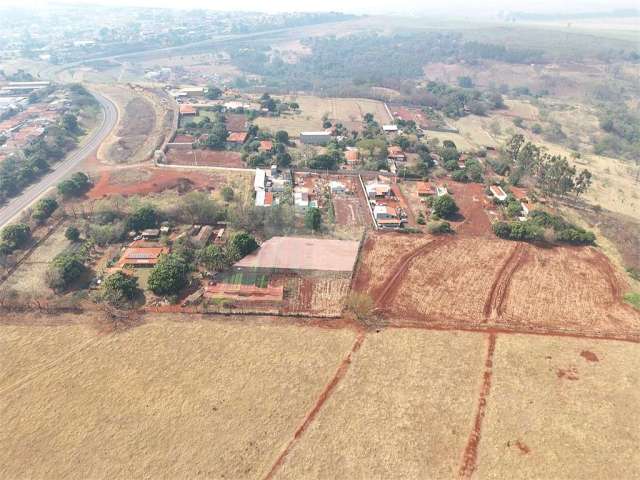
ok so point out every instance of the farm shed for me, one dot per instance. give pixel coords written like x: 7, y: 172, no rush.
x: 498, y: 192
x: 291, y: 254
x: 315, y: 138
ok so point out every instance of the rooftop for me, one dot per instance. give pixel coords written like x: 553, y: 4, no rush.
x: 297, y: 253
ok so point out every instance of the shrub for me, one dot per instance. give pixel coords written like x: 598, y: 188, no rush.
x: 227, y: 193
x: 75, y: 186
x: 72, y: 234
x: 421, y: 220
x: 460, y: 176
x: 524, y: 231
x: 445, y: 206
x: 440, y: 227
x: 243, y: 243
x: 633, y: 299
x: 313, y: 219
x: 576, y: 236
x: 502, y: 229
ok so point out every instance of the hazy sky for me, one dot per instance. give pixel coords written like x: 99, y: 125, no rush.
x: 424, y: 7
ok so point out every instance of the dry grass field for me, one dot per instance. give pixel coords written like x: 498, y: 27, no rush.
x: 403, y: 410
x: 561, y: 408
x: 180, y: 399
x: 349, y: 111
x: 29, y: 279
x: 451, y: 280
x: 576, y: 289
x: 380, y: 253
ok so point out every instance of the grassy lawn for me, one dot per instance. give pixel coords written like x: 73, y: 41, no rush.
x: 237, y: 278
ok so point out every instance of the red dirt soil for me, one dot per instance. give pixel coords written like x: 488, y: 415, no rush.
x: 472, y: 201
x: 158, y: 181
x: 470, y: 457
x: 589, y: 356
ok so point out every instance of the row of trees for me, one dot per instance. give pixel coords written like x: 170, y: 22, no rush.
x: 552, y: 174
x: 542, y: 225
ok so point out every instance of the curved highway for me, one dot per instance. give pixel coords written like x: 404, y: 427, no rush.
x: 59, y: 170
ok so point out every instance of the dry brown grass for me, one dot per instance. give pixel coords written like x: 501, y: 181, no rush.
x: 166, y: 399
x: 29, y: 278
x: 452, y: 280
x: 403, y: 410
x: 329, y: 295
x: 381, y: 252
x: 312, y: 109
x: 572, y: 288
x: 581, y: 428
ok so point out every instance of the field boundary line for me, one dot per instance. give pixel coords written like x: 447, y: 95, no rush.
x: 324, y: 395
x: 470, y: 456
x: 25, y: 257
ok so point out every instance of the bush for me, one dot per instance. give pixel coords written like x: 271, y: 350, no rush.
x: 227, y: 193
x: 72, y: 234
x: 119, y: 288
x: 44, y: 208
x: 243, y: 243
x: 576, y: 236
x: 75, y: 186
x: 313, y: 219
x: 460, y: 176
x: 421, y: 220
x: 169, y: 276
x: 440, y: 227
x: 445, y: 206
x: 524, y: 231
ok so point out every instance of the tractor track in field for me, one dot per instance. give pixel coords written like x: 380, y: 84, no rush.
x: 494, y: 305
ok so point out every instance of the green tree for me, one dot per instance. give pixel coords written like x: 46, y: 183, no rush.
x: 282, y: 136
x: 144, y: 217
x: 64, y: 269
x: 214, y: 258
x: 445, y: 206
x: 70, y: 123
x: 72, y: 234
x: 243, y: 243
x: 44, y: 208
x: 583, y: 182
x: 213, y: 92
x: 119, y: 288
x: 16, y: 235
x: 313, y: 219
x: 169, y: 276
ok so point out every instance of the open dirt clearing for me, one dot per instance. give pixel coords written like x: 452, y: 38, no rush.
x: 144, y: 121
x: 348, y: 111
x: 403, y: 410
x: 561, y: 408
x: 176, y: 399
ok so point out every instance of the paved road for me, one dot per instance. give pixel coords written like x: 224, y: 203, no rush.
x: 66, y: 166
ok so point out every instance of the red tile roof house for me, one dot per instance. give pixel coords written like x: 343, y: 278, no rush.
x: 188, y: 110
x: 138, y: 254
x: 237, y: 137
x: 425, y: 189
x: 265, y: 145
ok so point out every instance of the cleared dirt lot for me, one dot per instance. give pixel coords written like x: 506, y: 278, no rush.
x: 403, y: 410
x: 165, y: 399
x: 208, y: 158
x: 561, y: 408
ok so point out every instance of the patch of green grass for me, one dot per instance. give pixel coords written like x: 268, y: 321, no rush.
x: 633, y: 299
x: 237, y: 278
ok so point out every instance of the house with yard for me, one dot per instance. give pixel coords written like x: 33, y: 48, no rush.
x: 187, y: 110
x: 352, y: 156
x: 315, y: 138
x: 272, y: 181
x: 140, y: 255
x: 425, y: 189
x: 237, y: 138
x: 377, y: 189
x: 396, y: 154
x: 265, y: 145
